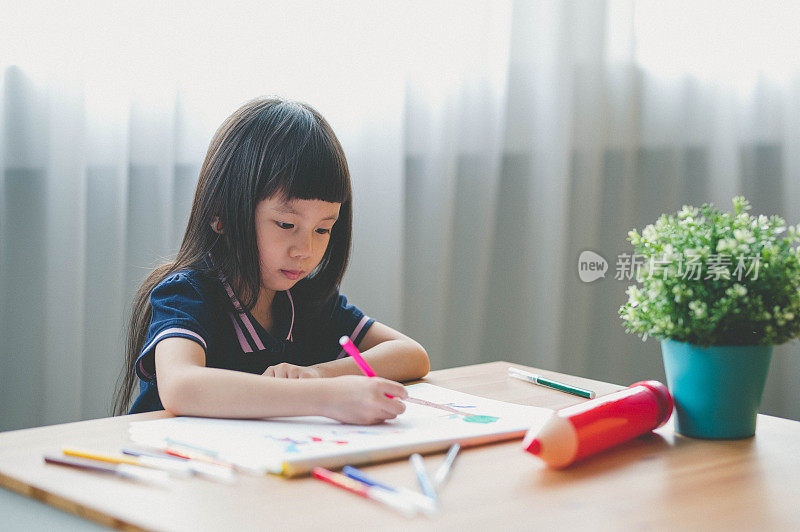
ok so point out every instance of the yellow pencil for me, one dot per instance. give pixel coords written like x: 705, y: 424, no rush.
x: 164, y: 464
x: 69, y: 451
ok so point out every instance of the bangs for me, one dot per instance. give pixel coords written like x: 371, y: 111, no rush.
x: 303, y: 159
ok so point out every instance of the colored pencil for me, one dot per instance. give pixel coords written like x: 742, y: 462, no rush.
x: 425, y: 504
x: 423, y: 479
x: 204, y: 469
x: 444, y: 469
x: 162, y: 464
x: 392, y: 500
x: 127, y: 471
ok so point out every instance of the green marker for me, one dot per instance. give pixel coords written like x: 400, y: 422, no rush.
x: 542, y: 381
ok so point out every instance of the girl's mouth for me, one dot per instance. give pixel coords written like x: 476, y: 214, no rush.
x: 292, y: 274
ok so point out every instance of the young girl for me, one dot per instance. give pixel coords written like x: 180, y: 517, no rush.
x: 245, y: 323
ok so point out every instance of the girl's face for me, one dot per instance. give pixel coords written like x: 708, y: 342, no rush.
x: 292, y: 237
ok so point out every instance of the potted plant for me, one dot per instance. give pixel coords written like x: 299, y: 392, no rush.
x: 719, y: 290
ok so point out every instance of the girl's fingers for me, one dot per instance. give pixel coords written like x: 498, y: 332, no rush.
x: 393, y: 407
x: 288, y: 371
x: 393, y: 411
x: 398, y: 407
x: 396, y: 389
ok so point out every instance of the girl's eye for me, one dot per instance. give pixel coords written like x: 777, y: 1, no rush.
x: 283, y: 225
x: 323, y: 231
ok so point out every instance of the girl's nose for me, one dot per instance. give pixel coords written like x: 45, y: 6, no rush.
x: 302, y: 246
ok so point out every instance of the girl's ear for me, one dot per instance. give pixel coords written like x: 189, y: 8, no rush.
x: 216, y: 225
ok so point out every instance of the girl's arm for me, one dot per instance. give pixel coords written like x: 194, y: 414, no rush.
x: 391, y: 354
x: 187, y: 387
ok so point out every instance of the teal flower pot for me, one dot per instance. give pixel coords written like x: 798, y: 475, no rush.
x: 717, y: 390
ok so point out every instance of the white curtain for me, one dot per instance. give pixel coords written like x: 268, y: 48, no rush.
x: 489, y: 143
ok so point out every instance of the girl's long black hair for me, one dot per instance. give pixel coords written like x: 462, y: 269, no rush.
x: 268, y: 147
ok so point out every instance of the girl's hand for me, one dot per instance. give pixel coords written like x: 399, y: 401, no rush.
x: 290, y: 371
x: 362, y: 400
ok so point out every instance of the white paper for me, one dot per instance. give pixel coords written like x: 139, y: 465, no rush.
x: 268, y: 445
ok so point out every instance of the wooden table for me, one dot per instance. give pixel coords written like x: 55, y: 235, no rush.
x: 659, y: 481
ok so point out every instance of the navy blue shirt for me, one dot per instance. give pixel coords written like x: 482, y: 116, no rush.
x: 201, y: 306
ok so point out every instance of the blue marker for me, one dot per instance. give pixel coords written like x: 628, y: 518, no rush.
x: 426, y: 504
x: 444, y: 469
x: 359, y: 475
x: 422, y: 476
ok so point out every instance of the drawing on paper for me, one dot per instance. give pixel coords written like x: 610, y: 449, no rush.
x: 334, y: 437
x: 481, y: 419
x: 452, y: 408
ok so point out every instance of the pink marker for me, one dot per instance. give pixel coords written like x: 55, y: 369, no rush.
x: 352, y: 350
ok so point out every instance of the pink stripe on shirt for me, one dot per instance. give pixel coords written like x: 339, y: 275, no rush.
x: 238, y: 306
x: 240, y: 335
x: 173, y: 330
x: 253, y: 333
x: 160, y: 336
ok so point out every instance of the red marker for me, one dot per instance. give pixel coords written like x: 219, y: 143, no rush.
x: 587, y: 428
